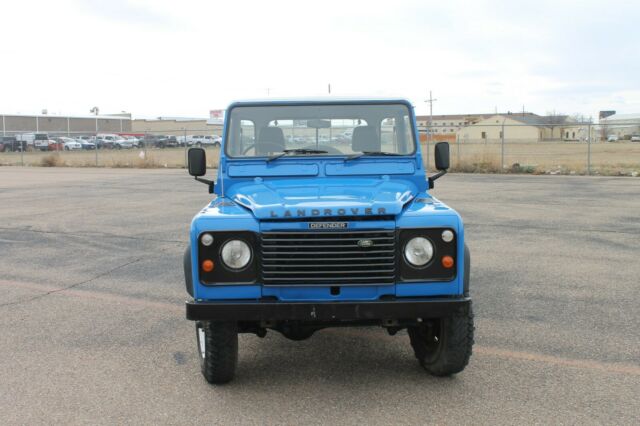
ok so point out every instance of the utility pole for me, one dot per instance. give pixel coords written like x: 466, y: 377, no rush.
x: 430, y: 128
x: 329, y: 88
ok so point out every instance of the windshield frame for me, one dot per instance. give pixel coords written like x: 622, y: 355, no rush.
x: 289, y: 103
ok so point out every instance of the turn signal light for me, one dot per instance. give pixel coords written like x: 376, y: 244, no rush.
x: 207, y: 265
x: 447, y: 262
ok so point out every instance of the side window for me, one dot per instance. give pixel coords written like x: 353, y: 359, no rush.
x: 395, y: 134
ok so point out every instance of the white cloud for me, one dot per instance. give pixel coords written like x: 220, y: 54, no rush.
x: 184, y: 58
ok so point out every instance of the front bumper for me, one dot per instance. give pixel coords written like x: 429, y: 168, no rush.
x: 270, y: 310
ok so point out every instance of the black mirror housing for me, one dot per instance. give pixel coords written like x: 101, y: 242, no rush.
x: 442, y: 155
x: 197, y: 159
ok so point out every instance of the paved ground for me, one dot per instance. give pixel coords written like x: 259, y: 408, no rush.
x: 92, y: 328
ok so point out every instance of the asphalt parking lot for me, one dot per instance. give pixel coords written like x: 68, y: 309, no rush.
x: 92, y: 326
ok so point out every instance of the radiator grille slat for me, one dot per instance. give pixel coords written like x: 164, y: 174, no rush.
x: 328, y: 257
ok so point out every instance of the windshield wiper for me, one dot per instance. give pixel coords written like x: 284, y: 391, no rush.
x: 295, y: 151
x: 374, y: 153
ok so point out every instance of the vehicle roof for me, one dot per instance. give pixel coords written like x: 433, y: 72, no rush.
x: 319, y: 100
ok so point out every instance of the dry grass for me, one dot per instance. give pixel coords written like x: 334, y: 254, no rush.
x: 621, y: 158
x: 52, y: 160
x: 129, y: 158
x: 544, y: 158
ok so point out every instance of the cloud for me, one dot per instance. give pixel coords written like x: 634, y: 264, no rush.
x: 183, y: 58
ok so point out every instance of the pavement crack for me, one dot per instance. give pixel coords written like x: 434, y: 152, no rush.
x: 90, y: 234
x: 58, y: 290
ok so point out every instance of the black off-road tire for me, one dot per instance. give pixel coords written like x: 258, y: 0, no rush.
x: 188, y: 276
x: 219, y: 357
x: 444, y: 348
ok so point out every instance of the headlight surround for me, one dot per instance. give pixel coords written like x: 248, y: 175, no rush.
x: 418, y: 251
x: 236, y: 254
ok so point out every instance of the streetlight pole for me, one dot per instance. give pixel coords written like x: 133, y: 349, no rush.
x: 429, y: 128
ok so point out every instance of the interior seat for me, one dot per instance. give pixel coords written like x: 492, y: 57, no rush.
x: 270, y: 139
x: 365, y: 138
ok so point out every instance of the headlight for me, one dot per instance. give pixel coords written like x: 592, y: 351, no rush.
x: 236, y: 254
x: 418, y: 251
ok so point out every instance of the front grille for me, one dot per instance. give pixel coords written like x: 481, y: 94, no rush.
x: 328, y: 257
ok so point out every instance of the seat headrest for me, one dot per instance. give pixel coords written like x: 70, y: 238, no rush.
x: 365, y: 138
x: 270, y: 139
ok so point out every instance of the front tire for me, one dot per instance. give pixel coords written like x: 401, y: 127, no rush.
x: 443, y: 347
x: 217, y: 350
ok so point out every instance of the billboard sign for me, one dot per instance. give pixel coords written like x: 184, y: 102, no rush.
x: 216, y: 116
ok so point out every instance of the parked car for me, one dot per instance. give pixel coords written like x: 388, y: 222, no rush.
x: 11, y: 144
x: 204, y: 140
x: 102, y: 143
x: 613, y: 138
x: 182, y: 140
x: 86, y: 143
x: 635, y: 138
x: 121, y: 143
x: 68, y: 144
x: 327, y: 251
x: 38, y: 141
x: 134, y: 140
x: 111, y: 140
x: 54, y: 144
x: 159, y: 141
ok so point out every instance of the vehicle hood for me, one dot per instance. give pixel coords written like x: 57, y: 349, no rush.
x: 287, y: 199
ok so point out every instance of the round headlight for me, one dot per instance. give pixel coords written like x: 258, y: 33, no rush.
x: 236, y: 254
x: 418, y: 251
x: 447, y: 236
x: 206, y: 239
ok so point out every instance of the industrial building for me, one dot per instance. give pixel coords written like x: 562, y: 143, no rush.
x: 65, y: 125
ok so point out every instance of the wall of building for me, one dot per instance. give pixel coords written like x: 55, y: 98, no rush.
x: 176, y: 127
x: 55, y: 125
x: 514, y: 131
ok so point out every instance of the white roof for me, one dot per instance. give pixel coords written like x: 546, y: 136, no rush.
x: 619, y: 118
x: 100, y: 117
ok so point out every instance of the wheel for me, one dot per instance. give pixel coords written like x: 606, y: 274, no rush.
x: 443, y: 347
x: 118, y: 146
x: 66, y: 148
x: 217, y: 350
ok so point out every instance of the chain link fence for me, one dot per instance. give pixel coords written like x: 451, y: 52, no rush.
x: 575, y: 148
x: 501, y: 147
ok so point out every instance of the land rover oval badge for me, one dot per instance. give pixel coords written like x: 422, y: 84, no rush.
x: 365, y: 243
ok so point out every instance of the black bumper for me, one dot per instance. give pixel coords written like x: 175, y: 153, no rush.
x: 404, y: 308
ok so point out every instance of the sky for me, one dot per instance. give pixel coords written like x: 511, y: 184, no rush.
x: 184, y: 58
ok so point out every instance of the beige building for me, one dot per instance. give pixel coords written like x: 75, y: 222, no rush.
x: 176, y: 126
x: 526, y: 127
x: 450, y: 124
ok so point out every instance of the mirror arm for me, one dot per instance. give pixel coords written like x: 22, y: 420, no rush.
x: 207, y: 181
x: 436, y: 176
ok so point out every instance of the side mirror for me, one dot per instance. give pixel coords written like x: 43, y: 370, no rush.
x: 442, y: 161
x: 442, y: 155
x: 197, y: 162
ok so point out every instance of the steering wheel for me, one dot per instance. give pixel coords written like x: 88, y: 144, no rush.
x: 266, y: 146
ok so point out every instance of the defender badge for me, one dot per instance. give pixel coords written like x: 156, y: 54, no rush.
x: 328, y: 225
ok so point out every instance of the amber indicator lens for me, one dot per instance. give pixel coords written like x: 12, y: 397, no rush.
x: 207, y: 265
x: 447, y: 262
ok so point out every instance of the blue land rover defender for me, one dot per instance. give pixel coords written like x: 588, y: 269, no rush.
x: 322, y: 217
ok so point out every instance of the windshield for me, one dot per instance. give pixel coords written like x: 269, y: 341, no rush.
x: 320, y: 130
